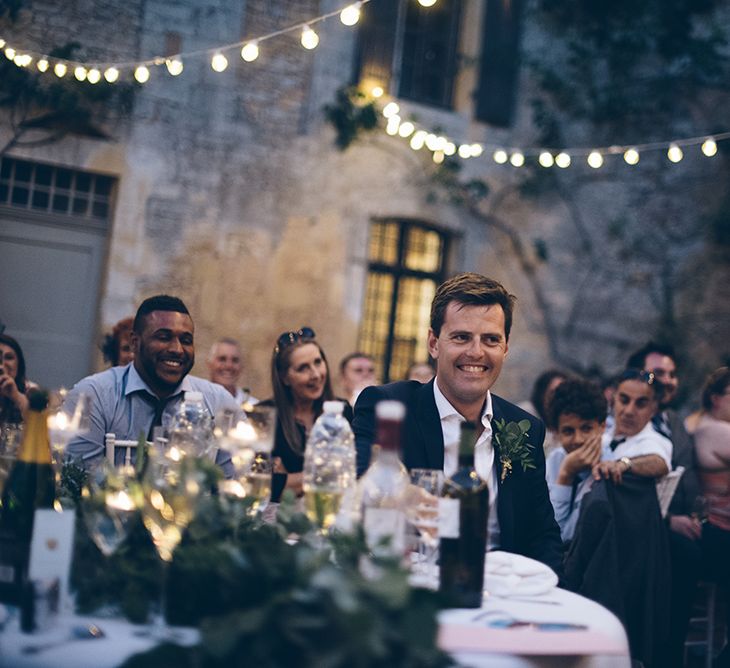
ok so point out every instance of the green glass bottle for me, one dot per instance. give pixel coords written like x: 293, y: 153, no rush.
x: 463, y: 515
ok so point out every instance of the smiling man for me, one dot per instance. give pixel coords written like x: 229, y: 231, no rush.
x: 133, y: 399
x: 471, y: 319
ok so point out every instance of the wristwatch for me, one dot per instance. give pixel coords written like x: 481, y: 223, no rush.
x: 626, y: 462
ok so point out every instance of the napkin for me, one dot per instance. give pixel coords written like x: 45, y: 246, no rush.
x: 508, y: 574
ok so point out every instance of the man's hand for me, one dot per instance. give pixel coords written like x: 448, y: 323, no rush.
x: 582, y: 458
x: 689, y: 527
x: 610, y: 469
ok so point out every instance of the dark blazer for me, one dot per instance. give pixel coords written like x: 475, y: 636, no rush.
x: 526, y: 519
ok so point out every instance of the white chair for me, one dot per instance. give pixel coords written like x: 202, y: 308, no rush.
x: 665, y: 488
x: 112, y: 447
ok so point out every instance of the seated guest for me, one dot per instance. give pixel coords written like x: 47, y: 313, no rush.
x: 225, y: 367
x: 471, y: 318
x: 577, y: 412
x: 301, y: 382
x: 138, y: 397
x: 420, y: 371
x: 712, y: 444
x: 117, y: 347
x: 13, y: 384
x: 357, y: 371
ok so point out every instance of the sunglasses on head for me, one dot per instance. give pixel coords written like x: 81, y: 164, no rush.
x: 638, y: 374
x: 288, y: 338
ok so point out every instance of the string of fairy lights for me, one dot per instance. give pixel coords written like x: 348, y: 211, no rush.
x: 418, y: 137
x: 442, y: 147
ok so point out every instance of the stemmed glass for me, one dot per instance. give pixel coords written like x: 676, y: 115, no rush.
x: 65, y: 421
x: 423, y: 515
x: 171, y: 488
x: 108, y: 504
x: 248, y: 435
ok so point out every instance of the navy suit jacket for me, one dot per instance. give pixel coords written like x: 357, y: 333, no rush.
x: 526, y: 519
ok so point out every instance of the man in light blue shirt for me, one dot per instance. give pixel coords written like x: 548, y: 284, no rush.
x: 135, y: 398
x: 577, y: 413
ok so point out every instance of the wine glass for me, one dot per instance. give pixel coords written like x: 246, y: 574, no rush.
x: 66, y: 420
x: 171, y: 488
x: 248, y: 435
x: 423, y: 515
x: 109, y: 503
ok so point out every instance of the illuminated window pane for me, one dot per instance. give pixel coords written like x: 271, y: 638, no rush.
x: 423, y: 250
x: 384, y: 243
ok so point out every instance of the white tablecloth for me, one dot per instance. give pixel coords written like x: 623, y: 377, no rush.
x: 469, y: 638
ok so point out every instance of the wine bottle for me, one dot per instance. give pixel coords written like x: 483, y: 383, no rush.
x: 463, y: 514
x: 30, y: 486
x: 384, y: 486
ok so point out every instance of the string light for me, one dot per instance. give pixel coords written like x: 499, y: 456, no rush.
x: 250, y: 51
x: 377, y: 92
x: 500, y: 156
x: 174, y: 66
x: 111, y: 74
x: 219, y: 62
x: 438, y: 157
x: 546, y: 159
x: 406, y: 129
x: 709, y: 147
x: 418, y: 140
x: 476, y: 150
x: 42, y: 65
x: 2, y: 43
x: 310, y: 39
x: 631, y: 156
x: 517, y: 159
x: 450, y: 148
x: 595, y: 159
x: 427, y: 3
x: 10, y: 53
x: 59, y: 69
x: 93, y: 76
x: 675, y: 153
x: 465, y: 151
x: 350, y: 15
x: 142, y: 74
x: 80, y: 73
x: 391, y: 109
x: 562, y: 160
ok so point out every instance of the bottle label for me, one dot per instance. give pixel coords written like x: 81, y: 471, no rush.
x: 385, y: 531
x: 449, y: 517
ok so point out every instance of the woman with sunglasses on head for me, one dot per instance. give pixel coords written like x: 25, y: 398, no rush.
x: 13, y: 383
x: 301, y: 383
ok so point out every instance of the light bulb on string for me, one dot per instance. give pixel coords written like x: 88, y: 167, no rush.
x: 111, y: 74
x: 631, y: 156
x: 310, y: 39
x: 406, y: 129
x: 393, y: 124
x: 465, y: 151
x: 42, y: 65
x: 93, y: 76
x: 250, y: 51
x: 476, y: 150
x: 427, y: 3
x: 2, y: 43
x: 80, y: 73
x: 438, y: 157
x: 219, y: 62
x: 391, y: 109
x: 142, y: 74
x: 10, y: 53
x: 60, y: 69
x: 377, y: 92
x: 517, y: 159
x: 174, y: 66
x: 500, y: 156
x: 562, y: 160
x: 595, y: 159
x: 546, y: 159
x: 418, y: 140
x: 674, y: 153
x: 450, y: 148
x: 709, y: 147
x: 350, y: 15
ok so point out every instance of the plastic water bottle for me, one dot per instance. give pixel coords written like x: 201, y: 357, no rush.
x: 191, y: 430
x: 329, y: 468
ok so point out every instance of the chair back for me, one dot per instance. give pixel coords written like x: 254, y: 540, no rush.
x: 665, y: 488
x: 120, y: 452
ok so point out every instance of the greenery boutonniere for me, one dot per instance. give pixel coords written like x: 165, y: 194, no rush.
x: 511, y: 437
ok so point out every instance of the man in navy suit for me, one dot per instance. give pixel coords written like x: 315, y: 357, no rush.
x: 471, y: 318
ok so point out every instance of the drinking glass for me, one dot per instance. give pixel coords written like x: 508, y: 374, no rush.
x: 109, y: 503
x: 700, y: 509
x: 171, y: 488
x: 65, y: 421
x: 423, y: 515
x: 248, y: 435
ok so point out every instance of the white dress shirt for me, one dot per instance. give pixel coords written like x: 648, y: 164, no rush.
x: 451, y: 421
x: 647, y: 442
